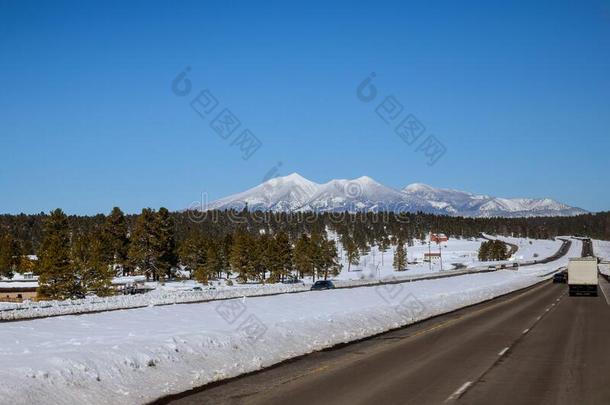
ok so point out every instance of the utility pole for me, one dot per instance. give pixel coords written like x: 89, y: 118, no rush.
x: 429, y: 254
x: 440, y: 254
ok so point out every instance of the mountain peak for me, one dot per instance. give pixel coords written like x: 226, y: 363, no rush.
x: 292, y: 178
x: 296, y: 193
x: 416, y: 187
x: 365, y: 179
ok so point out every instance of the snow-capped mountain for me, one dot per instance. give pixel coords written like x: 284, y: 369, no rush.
x: 287, y: 193
x: 361, y: 194
x: 455, y: 202
x: 296, y: 193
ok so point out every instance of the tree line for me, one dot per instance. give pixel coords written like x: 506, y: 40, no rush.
x: 27, y: 229
x: 80, y: 254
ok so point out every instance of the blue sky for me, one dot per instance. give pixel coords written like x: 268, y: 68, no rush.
x: 517, y: 93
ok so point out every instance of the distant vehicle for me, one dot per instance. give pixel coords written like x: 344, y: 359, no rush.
x: 197, y: 288
x: 292, y: 280
x: 582, y: 276
x: 560, y: 278
x: 491, y: 267
x: 322, y: 285
x: 516, y: 266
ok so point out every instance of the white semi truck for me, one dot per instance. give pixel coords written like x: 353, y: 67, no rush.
x: 582, y: 276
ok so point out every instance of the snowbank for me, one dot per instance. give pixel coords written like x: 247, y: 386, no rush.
x: 161, y: 296
x: 601, y: 248
x: 182, y: 294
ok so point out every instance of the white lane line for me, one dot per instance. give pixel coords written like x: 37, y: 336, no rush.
x: 603, y: 285
x: 503, y: 351
x: 525, y: 331
x: 459, y: 391
x: 539, y: 318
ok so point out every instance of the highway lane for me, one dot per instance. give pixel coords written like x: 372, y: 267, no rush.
x: 458, y: 357
x: 565, y: 360
x: 426, y: 363
x: 587, y: 248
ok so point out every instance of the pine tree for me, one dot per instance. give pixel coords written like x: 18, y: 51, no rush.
x: 316, y: 255
x: 144, y: 249
x: 213, y: 265
x: 10, y: 255
x: 90, y: 264
x: 115, y: 240
x: 283, y: 256
x: 499, y: 250
x: 224, y: 251
x: 329, y: 264
x: 57, y: 279
x: 270, y: 259
x: 165, y: 242
x: 384, y: 245
x: 351, y: 251
x: 484, y: 251
x: 259, y: 253
x: 302, y: 256
x: 240, y: 258
x: 322, y: 254
x: 400, y: 256
x: 80, y: 259
x: 193, y: 255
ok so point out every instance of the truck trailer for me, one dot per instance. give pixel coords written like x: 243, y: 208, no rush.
x: 582, y: 276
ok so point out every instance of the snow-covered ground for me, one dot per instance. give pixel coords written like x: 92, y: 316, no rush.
x: 601, y: 248
x: 574, y: 251
x: 135, y: 356
x: 532, y: 249
x: 455, y: 253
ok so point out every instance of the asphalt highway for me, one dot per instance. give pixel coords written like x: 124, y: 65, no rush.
x: 535, y: 346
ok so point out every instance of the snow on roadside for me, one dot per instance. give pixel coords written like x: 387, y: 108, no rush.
x: 532, y: 249
x: 575, y: 250
x: 135, y: 356
x: 601, y: 248
x: 176, y: 295
x: 31, y: 309
x: 462, y: 252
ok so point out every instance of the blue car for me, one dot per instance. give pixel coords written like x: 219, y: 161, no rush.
x: 322, y: 285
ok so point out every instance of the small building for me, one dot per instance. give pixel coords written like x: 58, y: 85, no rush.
x: 438, y: 237
x: 432, y: 257
x: 130, y: 285
x: 17, y: 291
